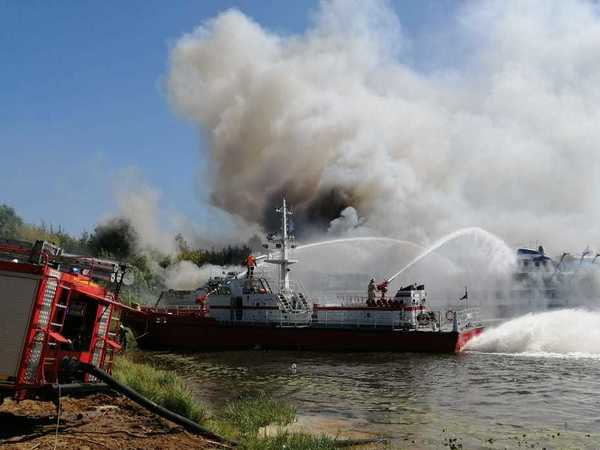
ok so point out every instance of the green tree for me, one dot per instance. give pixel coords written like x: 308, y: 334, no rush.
x: 10, y: 222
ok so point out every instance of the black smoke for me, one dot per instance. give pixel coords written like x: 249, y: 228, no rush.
x: 310, y: 214
x: 116, y: 238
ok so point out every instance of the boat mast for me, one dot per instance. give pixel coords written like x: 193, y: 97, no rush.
x: 284, y: 230
x: 284, y: 275
x: 283, y: 241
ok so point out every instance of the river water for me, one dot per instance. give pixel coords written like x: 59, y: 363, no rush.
x: 519, y: 392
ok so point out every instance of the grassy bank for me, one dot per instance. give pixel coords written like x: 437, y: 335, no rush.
x: 240, y: 419
x: 160, y: 386
x: 251, y: 412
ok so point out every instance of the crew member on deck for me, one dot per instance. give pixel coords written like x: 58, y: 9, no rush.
x: 371, y: 293
x: 383, y: 288
x: 250, y: 265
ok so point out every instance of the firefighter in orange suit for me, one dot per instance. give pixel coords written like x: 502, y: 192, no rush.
x: 250, y: 265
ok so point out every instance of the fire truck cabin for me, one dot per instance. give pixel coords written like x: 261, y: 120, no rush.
x: 52, y: 308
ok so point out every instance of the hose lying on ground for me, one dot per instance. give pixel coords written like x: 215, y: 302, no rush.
x: 186, y: 423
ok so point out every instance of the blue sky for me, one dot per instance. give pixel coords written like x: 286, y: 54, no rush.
x: 81, y: 100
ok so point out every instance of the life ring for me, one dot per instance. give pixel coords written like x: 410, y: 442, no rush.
x: 450, y: 315
x: 423, y: 318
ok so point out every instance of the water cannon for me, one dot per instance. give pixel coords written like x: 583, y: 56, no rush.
x: 585, y: 252
x: 383, y: 288
x: 383, y: 285
x: 201, y: 298
x: 557, y: 266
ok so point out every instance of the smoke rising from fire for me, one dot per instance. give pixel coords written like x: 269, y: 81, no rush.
x: 505, y: 136
x: 137, y: 227
x: 140, y: 206
x: 188, y: 276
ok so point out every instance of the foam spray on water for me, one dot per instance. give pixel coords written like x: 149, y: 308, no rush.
x: 573, y: 332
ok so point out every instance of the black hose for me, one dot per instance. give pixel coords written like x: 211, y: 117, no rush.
x: 151, y: 406
x: 75, y: 389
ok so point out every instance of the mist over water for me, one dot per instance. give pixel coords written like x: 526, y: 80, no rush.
x: 469, y: 257
x: 499, y: 256
x: 345, y: 266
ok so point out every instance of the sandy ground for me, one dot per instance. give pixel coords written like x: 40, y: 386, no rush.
x: 323, y: 425
x: 98, y: 421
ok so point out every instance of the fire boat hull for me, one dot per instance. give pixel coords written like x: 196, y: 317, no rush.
x: 164, y: 331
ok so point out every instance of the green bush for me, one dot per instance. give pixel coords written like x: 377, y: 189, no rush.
x: 162, y: 387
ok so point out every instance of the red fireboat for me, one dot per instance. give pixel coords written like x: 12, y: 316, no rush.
x: 249, y: 311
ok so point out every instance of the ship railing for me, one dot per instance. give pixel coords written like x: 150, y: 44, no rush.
x: 295, y: 292
x: 337, y: 320
x: 286, y: 319
x: 302, y: 318
x: 352, y: 300
x: 177, y: 310
x: 265, y: 271
x: 467, y: 318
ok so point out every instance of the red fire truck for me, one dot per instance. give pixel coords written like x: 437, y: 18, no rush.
x: 55, y: 308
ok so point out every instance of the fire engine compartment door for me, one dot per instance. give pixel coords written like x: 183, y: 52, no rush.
x: 18, y: 292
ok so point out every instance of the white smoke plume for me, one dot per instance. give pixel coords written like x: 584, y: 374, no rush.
x: 500, y: 131
x: 140, y: 206
x: 156, y: 223
x: 185, y: 275
x: 347, y: 222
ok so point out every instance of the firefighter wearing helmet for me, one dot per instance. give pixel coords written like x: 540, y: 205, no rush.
x: 250, y: 265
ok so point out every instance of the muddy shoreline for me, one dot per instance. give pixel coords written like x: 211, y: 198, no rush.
x: 96, y: 421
